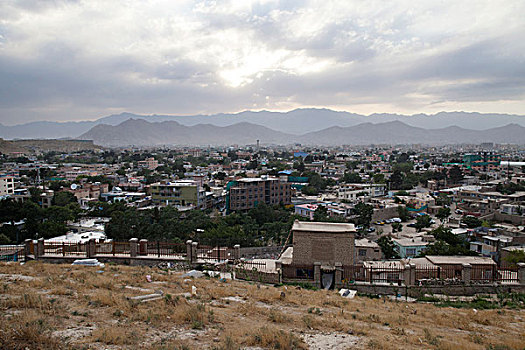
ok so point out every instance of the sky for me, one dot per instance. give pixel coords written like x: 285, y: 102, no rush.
x: 63, y: 60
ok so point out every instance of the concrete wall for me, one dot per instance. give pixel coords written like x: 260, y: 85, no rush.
x: 385, y: 213
x: 326, y: 248
x: 257, y: 276
x: 260, y: 252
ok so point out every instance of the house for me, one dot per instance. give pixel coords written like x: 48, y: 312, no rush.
x: 366, y: 250
x: 322, y: 242
x: 410, y: 247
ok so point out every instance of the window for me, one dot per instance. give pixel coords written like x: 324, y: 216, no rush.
x: 362, y: 252
x: 411, y: 251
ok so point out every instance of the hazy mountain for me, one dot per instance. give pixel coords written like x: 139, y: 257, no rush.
x: 297, y: 122
x: 137, y: 132
x: 397, y: 132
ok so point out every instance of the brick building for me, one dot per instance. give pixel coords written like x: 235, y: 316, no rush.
x: 247, y: 193
x: 323, y: 242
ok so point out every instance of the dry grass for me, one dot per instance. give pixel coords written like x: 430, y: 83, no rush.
x: 76, y: 307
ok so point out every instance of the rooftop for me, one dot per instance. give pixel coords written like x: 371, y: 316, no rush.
x: 328, y: 227
x: 474, y: 260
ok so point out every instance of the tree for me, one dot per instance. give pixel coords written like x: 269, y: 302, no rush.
x: 309, y: 190
x: 422, y: 222
x: 388, y: 247
x: 397, y: 227
x: 471, y: 221
x: 321, y: 213
x: 364, y: 214
x: 379, y: 178
x: 403, y: 213
x: 455, y: 174
x: 64, y: 198
x: 443, y: 214
x: 352, y: 178
x: 515, y: 257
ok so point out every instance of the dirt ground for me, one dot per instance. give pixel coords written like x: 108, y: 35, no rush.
x: 44, y: 306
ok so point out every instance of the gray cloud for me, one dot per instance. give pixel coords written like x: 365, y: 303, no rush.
x: 64, y: 60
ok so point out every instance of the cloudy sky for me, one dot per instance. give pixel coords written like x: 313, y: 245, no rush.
x: 78, y: 60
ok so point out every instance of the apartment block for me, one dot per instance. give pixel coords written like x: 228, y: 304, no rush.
x: 7, y: 185
x: 178, y: 193
x: 244, y: 194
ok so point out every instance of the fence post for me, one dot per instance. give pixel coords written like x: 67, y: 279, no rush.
x: 338, y: 283
x: 188, y: 250
x: 407, y: 275
x: 143, y: 247
x: 194, y: 252
x: 158, y: 249
x: 27, y: 248
x: 279, y: 269
x: 317, y: 274
x: 412, y: 274
x: 521, y: 273
x: 91, y: 250
x: 237, y: 254
x: 133, y: 247
x: 466, y: 273
x: 39, y: 248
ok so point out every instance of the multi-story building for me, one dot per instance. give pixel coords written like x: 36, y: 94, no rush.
x: 7, y: 185
x: 244, y: 194
x: 482, y: 161
x: 148, y: 163
x: 178, y: 193
x: 351, y: 192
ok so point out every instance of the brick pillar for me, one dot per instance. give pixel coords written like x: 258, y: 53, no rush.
x: 412, y: 274
x: 143, y: 247
x: 279, y: 269
x: 133, y: 247
x: 317, y: 274
x: 407, y: 275
x: 27, y: 248
x: 338, y: 283
x: 39, y: 248
x: 465, y: 273
x: 91, y: 250
x: 237, y: 249
x: 188, y: 250
x: 521, y: 273
x: 194, y: 252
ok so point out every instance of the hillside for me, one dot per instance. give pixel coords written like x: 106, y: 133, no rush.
x: 76, y: 307
x: 138, y: 132
x: 36, y: 146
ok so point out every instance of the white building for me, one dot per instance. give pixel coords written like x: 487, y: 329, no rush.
x: 7, y: 185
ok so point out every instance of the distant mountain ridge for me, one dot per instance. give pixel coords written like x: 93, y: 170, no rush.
x: 295, y: 122
x: 137, y: 132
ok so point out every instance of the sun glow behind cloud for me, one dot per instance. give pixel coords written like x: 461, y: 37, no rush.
x: 186, y: 57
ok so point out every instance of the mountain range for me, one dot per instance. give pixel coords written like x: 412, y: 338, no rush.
x: 296, y: 122
x: 137, y: 132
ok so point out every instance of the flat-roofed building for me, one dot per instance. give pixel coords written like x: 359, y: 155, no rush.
x: 323, y: 242
x: 178, y: 193
x: 7, y: 185
x: 247, y: 193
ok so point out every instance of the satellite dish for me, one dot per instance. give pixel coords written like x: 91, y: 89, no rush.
x: 74, y: 186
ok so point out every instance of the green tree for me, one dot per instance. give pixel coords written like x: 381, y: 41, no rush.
x: 514, y: 257
x: 388, y: 247
x: 64, y: 198
x: 403, y: 213
x: 397, y: 227
x: 364, y: 214
x: 422, y: 221
x: 455, y: 174
x: 471, y: 221
x: 352, y: 178
x: 443, y: 214
x: 321, y: 213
